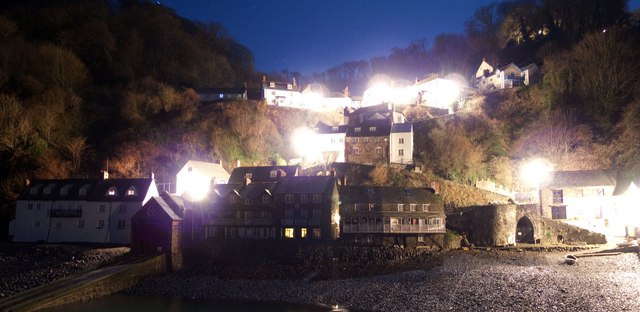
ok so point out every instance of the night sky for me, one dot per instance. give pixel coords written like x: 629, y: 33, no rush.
x: 313, y: 35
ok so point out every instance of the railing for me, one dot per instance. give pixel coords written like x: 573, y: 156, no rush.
x: 239, y: 222
x: 399, y: 228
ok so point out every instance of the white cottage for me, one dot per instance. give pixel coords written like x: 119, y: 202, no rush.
x: 80, y: 210
x: 199, y: 176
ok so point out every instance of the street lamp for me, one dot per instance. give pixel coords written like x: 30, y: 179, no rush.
x: 534, y: 173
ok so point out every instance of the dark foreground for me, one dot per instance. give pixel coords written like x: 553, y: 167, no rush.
x: 462, y: 281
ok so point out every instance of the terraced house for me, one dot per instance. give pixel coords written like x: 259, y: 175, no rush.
x: 80, y: 210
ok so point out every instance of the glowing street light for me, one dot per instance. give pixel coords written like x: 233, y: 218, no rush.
x: 535, y: 172
x: 305, y: 143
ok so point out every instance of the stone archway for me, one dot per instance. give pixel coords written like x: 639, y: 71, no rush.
x: 524, y: 231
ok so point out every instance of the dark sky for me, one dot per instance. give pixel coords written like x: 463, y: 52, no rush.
x: 313, y: 35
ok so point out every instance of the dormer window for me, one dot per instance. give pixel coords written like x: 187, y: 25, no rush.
x: 272, y: 84
x: 248, y: 175
x: 266, y: 199
x: 112, y: 191
x: 273, y: 173
x: 358, y: 129
x: 34, y: 189
x: 334, y: 128
x: 47, y: 189
x: 83, y: 190
x: 372, y: 129
x: 289, y: 87
x: 131, y: 191
x: 65, y: 189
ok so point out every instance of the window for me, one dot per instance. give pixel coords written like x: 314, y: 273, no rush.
x: 400, y: 207
x: 420, y: 238
x: 400, y: 152
x: 100, y: 224
x: 30, y: 206
x: 288, y: 198
x: 425, y: 207
x: 356, y: 140
x: 273, y: 173
x: 272, y: 84
x: 333, y: 140
x: 317, y: 198
x: 248, y: 175
x: 131, y: 191
x: 376, y: 139
x: 378, y: 150
x: 356, y: 151
x: 121, y: 224
x: 266, y: 199
x: 317, y: 214
x: 372, y: 129
x: 579, y: 193
x: 248, y: 201
x: 365, y: 139
x: 412, y: 207
x: 288, y: 233
x: 371, y: 207
x: 233, y: 199
x: 83, y: 190
x: 304, y: 198
x: 81, y: 223
x: 303, y: 232
x: 289, y: 87
x: 334, y: 128
x: 315, y: 233
x: 557, y: 196
x: 401, y: 141
x: 357, y: 129
x: 341, y: 140
x: 600, y: 192
x: 111, y: 191
x: 102, y: 208
x: 288, y: 214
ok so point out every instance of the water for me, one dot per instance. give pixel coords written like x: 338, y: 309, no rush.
x: 126, y: 303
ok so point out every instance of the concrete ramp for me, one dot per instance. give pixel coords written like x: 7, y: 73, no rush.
x: 87, y: 285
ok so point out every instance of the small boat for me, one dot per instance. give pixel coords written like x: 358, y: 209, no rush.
x: 570, y: 259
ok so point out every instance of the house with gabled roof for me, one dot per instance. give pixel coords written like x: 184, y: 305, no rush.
x: 261, y: 173
x: 80, y: 210
x: 282, y: 94
x: 511, y: 75
x: 200, y: 174
x: 330, y: 142
x: 409, y: 217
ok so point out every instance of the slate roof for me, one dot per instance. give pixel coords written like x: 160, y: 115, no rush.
x: 581, y: 178
x: 96, y: 189
x: 305, y: 185
x: 323, y: 128
x: 260, y: 174
x: 382, y: 128
x: 403, y: 127
x: 156, y: 203
x: 352, y: 194
x: 255, y: 190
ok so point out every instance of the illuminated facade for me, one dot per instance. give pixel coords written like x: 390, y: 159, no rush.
x: 391, y: 216
x: 80, y: 210
x: 197, y: 177
x: 509, y: 76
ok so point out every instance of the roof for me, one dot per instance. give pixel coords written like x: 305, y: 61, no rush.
x: 581, y: 178
x: 155, y: 209
x: 323, y: 128
x: 255, y: 190
x: 285, y: 86
x: 261, y: 173
x: 207, y: 169
x: 402, y: 127
x: 306, y: 185
x: 93, y: 189
x: 380, y: 127
x: 352, y: 194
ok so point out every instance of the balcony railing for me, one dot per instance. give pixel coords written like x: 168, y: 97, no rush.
x: 400, y: 228
x: 240, y: 222
x: 65, y: 213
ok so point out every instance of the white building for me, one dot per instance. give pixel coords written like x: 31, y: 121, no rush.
x: 330, y: 142
x: 436, y: 92
x: 282, y: 94
x: 80, y: 210
x: 401, y: 144
x: 197, y: 177
x: 488, y: 78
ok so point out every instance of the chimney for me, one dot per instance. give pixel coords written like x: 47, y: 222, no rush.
x: 105, y: 174
x: 247, y: 181
x: 237, y: 163
x: 220, y: 162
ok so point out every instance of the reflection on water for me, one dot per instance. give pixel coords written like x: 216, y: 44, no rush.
x: 124, y: 303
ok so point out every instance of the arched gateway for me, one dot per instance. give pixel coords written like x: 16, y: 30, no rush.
x: 524, y: 231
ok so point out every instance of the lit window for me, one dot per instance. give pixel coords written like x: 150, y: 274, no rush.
x: 288, y: 233
x: 421, y: 238
x: 425, y: 207
x: 412, y: 207
x: 303, y: 232
x: 401, y: 141
x: 376, y: 140
x: 288, y: 198
x: 272, y: 84
x: 111, y: 191
x: 317, y: 198
x: 372, y: 129
x: 400, y: 207
x: 304, y: 199
x: 289, y: 87
x: 131, y: 191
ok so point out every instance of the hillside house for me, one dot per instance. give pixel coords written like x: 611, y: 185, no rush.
x: 282, y: 94
x: 488, y: 78
x: 212, y: 95
x: 391, y: 216
x: 626, y: 197
x: 80, y: 210
x: 318, y: 98
x: 330, y: 142
x: 436, y: 92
